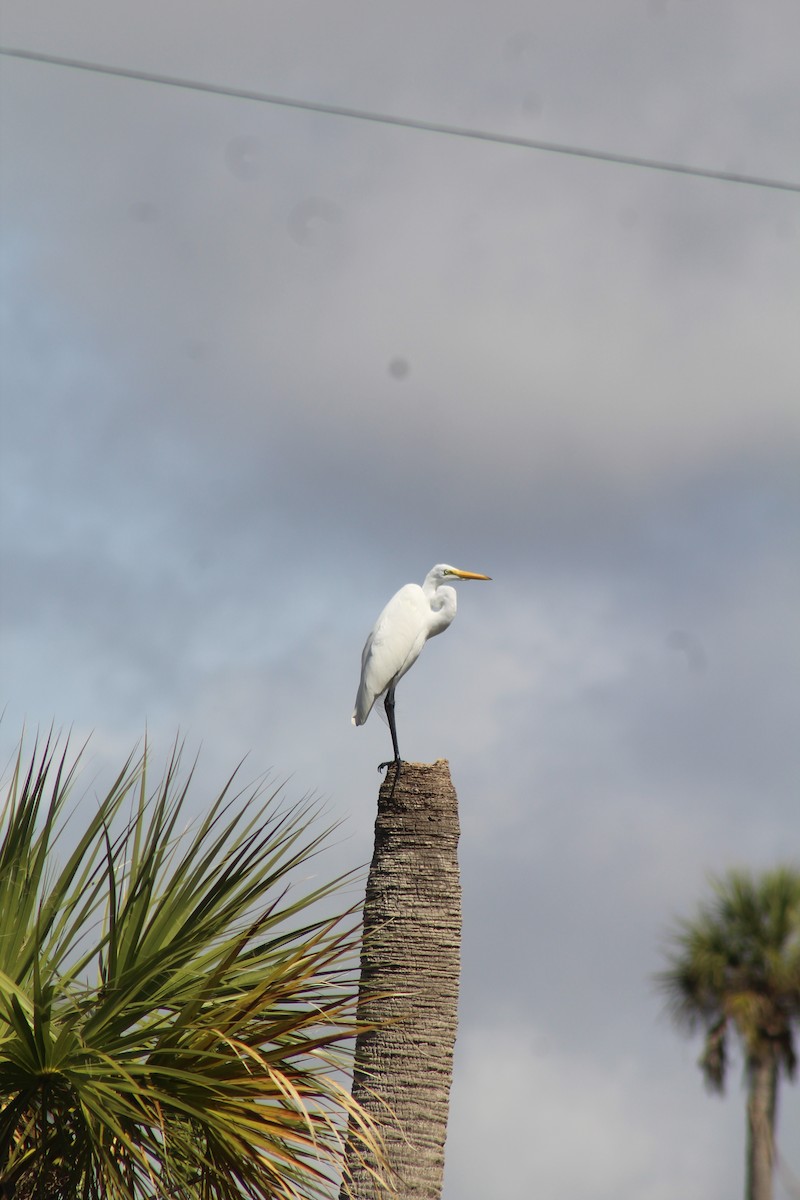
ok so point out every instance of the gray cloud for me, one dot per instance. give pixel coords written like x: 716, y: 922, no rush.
x: 267, y: 366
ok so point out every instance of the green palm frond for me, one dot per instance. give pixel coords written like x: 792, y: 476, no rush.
x: 174, y: 1012
x: 737, y: 965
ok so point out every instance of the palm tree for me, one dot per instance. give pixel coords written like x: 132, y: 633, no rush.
x: 171, y: 1007
x: 735, y: 968
x: 410, y: 966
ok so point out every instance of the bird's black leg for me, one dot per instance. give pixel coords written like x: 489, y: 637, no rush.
x: 388, y: 705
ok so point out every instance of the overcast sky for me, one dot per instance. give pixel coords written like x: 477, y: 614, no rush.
x: 262, y: 367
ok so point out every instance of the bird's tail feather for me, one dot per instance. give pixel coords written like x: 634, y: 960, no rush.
x: 364, y: 706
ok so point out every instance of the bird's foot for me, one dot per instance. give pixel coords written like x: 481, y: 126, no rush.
x: 392, y: 762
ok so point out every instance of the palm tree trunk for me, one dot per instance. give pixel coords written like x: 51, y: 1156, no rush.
x: 410, y: 964
x: 761, y: 1103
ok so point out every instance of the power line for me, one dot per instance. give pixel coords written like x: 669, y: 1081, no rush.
x: 359, y: 114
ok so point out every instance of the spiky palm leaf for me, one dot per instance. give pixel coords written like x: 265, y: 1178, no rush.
x: 172, y: 1011
x: 736, y: 966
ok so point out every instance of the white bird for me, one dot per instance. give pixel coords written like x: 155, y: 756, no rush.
x: 413, y: 615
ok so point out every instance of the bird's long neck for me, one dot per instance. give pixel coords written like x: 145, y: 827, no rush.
x: 443, y: 601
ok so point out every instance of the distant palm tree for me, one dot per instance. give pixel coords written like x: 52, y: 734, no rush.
x: 170, y: 1007
x: 736, y: 968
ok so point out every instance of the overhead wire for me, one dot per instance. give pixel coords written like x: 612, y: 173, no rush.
x: 435, y: 127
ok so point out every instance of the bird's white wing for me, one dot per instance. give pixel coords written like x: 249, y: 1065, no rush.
x: 394, y: 645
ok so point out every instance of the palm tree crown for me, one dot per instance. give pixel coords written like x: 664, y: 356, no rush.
x: 736, y: 968
x: 171, y: 1006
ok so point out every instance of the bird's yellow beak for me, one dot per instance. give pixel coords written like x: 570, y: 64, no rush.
x: 469, y: 574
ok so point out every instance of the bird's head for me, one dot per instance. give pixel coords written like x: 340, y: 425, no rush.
x: 444, y: 573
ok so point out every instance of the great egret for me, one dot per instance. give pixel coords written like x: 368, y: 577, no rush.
x: 413, y: 615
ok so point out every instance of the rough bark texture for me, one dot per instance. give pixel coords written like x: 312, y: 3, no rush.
x: 761, y: 1103
x: 410, y: 965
